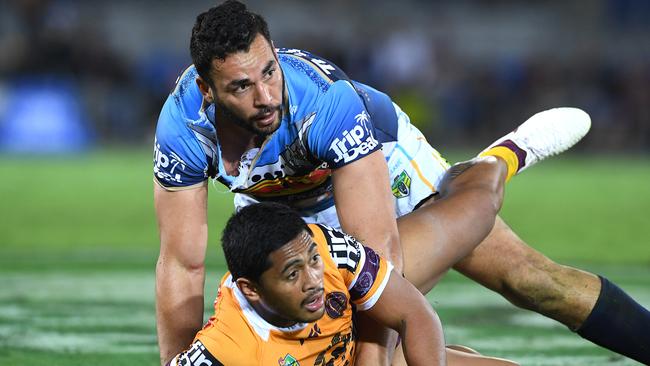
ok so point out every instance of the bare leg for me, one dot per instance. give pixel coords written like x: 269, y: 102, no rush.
x: 456, y: 357
x: 461, y: 356
x: 470, y: 200
x: 528, y: 279
x: 445, y: 233
x: 438, y: 235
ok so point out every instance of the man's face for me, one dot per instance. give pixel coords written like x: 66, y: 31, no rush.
x: 248, y: 87
x: 292, y: 289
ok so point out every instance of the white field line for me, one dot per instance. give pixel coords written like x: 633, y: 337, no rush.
x: 74, y: 305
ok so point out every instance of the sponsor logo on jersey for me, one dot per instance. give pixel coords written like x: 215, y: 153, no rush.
x: 167, y: 166
x: 197, y: 355
x: 344, y: 249
x: 288, y: 360
x: 401, y: 185
x: 357, y: 141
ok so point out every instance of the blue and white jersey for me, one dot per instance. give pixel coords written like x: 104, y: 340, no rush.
x: 331, y: 121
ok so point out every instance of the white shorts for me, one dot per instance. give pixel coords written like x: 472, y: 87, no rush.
x: 414, y: 167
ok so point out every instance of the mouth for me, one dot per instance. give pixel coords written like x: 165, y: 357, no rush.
x: 314, y: 302
x: 266, y: 119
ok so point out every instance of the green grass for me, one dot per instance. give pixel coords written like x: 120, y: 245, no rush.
x: 78, y: 245
x: 580, y: 209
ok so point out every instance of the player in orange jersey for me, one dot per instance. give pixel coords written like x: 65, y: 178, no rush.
x: 292, y: 290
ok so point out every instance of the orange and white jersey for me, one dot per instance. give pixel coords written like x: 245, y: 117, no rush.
x: 354, y: 276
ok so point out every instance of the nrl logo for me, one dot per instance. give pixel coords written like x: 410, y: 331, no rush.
x: 288, y: 360
x: 401, y: 185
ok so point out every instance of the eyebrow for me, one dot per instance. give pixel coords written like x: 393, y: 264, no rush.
x: 268, y: 67
x: 246, y: 81
x: 296, y: 261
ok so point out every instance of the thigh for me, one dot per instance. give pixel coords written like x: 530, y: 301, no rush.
x: 438, y: 235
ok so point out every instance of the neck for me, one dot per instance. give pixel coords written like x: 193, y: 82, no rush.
x: 270, y: 316
x: 234, y: 141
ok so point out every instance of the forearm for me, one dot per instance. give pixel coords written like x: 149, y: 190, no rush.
x: 366, y: 206
x: 180, y: 273
x: 179, y: 306
x: 403, y: 308
x: 422, y: 337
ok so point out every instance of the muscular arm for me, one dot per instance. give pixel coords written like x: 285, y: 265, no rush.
x: 180, y: 274
x: 364, y: 204
x: 403, y: 308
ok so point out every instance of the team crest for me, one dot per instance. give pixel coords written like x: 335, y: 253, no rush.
x: 335, y: 304
x: 401, y: 185
x: 288, y: 360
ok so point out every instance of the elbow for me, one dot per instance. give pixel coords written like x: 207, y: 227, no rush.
x: 173, y: 264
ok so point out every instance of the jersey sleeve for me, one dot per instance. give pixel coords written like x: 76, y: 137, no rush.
x: 365, y: 273
x: 342, y: 130
x: 196, y: 355
x: 179, y: 161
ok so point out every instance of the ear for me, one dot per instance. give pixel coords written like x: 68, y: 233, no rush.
x: 205, y: 89
x: 248, y: 288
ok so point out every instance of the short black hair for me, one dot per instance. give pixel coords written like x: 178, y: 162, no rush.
x: 254, y: 232
x: 223, y: 30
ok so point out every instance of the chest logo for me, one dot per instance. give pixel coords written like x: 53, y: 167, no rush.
x: 335, y: 304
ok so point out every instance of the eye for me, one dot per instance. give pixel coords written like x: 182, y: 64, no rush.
x: 292, y: 275
x: 315, y: 258
x: 269, y: 73
x: 241, y: 88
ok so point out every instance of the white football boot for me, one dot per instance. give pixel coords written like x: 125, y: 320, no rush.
x: 545, y: 134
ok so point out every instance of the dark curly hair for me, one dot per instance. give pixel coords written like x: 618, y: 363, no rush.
x: 223, y: 30
x: 254, y: 232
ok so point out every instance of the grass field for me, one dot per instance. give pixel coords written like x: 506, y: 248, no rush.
x: 78, y: 245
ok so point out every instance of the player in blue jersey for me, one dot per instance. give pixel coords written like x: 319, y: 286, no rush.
x: 289, y: 126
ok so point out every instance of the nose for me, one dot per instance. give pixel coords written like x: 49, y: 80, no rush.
x: 313, y: 279
x: 263, y: 96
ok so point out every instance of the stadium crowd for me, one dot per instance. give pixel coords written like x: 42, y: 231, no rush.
x: 473, y: 67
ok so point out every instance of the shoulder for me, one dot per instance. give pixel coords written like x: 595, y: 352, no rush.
x: 227, y: 335
x: 308, y: 78
x: 186, y: 95
x: 342, y: 250
x: 342, y: 130
x: 364, y: 272
x: 179, y: 159
x: 224, y: 339
x: 315, y: 68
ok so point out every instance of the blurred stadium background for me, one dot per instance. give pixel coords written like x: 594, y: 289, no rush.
x: 81, y: 84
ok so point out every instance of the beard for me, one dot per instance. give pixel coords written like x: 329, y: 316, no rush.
x: 249, y: 124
